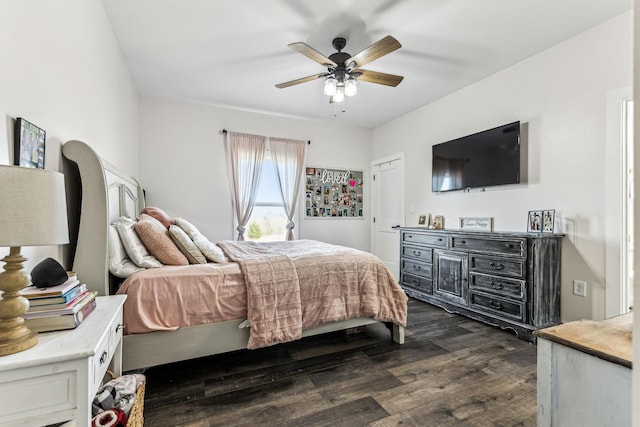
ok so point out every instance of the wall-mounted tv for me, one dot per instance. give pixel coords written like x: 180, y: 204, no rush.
x: 484, y: 159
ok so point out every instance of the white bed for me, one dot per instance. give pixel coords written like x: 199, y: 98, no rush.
x: 98, y: 193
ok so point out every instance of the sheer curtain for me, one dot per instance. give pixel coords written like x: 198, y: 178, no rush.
x: 246, y: 153
x: 289, y: 156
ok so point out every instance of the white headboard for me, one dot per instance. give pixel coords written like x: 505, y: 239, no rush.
x: 97, y: 194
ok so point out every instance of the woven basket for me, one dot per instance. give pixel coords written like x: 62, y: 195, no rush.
x: 136, y: 416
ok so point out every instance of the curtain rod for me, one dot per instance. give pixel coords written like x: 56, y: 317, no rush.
x: 224, y: 132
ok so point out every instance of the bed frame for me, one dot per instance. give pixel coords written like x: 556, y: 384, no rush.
x: 98, y: 193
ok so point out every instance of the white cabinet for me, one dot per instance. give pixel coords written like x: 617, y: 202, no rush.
x: 56, y: 380
x: 584, y: 373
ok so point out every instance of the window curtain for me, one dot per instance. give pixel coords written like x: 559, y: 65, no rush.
x: 246, y: 153
x: 289, y: 157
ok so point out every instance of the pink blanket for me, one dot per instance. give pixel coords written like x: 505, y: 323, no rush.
x: 298, y: 285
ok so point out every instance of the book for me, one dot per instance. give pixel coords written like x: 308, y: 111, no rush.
x: 53, y: 291
x: 90, y: 295
x: 60, y: 301
x: 62, y: 321
x: 49, y: 307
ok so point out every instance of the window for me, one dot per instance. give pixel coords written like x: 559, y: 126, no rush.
x: 268, y: 219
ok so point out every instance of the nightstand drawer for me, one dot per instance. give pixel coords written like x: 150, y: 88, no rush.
x: 417, y: 268
x: 509, y: 288
x: 100, y: 362
x: 421, y: 253
x: 514, y: 268
x: 513, y: 310
x: 439, y: 240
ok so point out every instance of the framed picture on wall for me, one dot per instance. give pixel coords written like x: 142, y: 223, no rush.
x: 28, y: 148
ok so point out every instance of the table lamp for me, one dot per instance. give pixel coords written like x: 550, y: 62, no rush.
x: 33, y: 212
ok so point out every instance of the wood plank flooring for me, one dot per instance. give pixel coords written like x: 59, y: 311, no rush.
x: 451, y: 371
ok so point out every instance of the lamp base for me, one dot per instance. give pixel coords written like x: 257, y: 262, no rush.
x: 18, y: 345
x: 14, y: 335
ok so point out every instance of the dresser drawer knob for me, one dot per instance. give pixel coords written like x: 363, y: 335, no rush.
x: 495, y: 305
x: 496, y: 286
x: 103, y: 358
x: 417, y: 268
x: 495, y: 266
x: 119, y: 326
x: 417, y: 253
x: 510, y: 245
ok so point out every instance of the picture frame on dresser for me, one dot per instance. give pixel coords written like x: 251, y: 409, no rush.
x: 476, y: 224
x: 534, y: 222
x: 548, y: 220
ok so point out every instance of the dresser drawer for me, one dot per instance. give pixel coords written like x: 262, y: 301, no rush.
x: 421, y: 253
x: 418, y: 283
x: 509, y: 288
x: 505, y: 246
x: 512, y: 310
x: 506, y: 267
x: 417, y: 268
x: 439, y: 240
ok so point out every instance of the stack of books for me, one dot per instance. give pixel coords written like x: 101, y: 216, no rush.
x: 59, y: 307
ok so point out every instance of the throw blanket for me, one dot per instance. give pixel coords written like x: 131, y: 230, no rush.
x: 297, y: 285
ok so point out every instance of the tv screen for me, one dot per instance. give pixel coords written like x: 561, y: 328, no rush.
x: 484, y: 159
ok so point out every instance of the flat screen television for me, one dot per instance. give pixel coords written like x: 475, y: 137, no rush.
x: 484, y: 159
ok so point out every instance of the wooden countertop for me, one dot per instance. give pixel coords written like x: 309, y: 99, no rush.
x: 608, y: 339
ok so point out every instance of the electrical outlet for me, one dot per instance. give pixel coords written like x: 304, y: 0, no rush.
x: 580, y: 288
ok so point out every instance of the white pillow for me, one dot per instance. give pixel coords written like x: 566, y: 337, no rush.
x: 133, y: 245
x: 186, y: 245
x: 209, y: 249
x: 119, y: 264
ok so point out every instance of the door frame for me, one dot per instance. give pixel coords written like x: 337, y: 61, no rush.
x: 616, y: 162
x: 375, y: 195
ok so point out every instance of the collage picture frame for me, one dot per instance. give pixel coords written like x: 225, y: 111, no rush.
x: 29, y: 144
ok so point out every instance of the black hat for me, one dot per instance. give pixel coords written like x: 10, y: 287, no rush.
x: 48, y: 273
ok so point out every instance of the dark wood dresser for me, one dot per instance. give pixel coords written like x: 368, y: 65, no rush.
x: 510, y: 280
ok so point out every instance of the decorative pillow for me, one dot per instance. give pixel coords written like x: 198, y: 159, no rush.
x: 186, y: 245
x: 155, y: 237
x: 160, y: 215
x: 210, y: 250
x: 119, y: 263
x: 133, y: 246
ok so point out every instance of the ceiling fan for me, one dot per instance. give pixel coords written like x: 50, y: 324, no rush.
x: 343, y: 69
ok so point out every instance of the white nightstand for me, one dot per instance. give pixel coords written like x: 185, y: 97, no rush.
x: 56, y: 380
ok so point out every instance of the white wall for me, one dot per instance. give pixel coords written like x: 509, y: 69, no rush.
x: 183, y: 167
x: 560, y: 97
x: 63, y: 71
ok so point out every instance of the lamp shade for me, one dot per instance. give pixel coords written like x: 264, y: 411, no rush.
x: 33, y: 207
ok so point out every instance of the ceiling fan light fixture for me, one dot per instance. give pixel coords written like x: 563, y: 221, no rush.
x: 350, y: 87
x: 330, y: 86
x: 339, y: 95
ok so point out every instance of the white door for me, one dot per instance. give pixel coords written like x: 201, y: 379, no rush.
x: 388, y: 210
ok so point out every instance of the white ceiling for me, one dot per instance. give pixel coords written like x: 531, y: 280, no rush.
x: 232, y: 52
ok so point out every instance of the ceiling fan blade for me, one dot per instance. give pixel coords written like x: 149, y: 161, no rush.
x: 377, y: 77
x: 310, y: 52
x: 373, y: 52
x: 301, y: 80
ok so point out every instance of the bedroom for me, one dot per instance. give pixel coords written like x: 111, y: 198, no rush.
x: 67, y: 74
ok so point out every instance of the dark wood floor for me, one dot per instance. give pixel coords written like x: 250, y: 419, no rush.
x: 451, y: 371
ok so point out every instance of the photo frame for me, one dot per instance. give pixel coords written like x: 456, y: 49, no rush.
x: 548, y: 220
x: 476, y: 224
x: 29, y: 144
x: 438, y: 222
x: 422, y: 220
x: 534, y: 222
